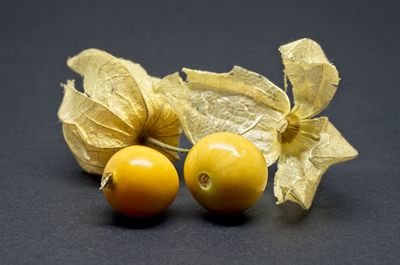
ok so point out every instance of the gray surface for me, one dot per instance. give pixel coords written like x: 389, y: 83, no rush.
x: 51, y: 213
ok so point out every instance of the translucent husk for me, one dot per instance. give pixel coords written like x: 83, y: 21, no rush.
x: 208, y: 102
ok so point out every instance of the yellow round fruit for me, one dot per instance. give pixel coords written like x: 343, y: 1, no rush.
x: 225, y: 173
x: 139, y: 181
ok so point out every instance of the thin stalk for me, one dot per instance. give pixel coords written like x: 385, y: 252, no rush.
x: 252, y: 126
x: 165, y: 146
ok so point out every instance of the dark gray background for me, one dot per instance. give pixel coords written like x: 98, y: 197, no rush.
x: 52, y: 213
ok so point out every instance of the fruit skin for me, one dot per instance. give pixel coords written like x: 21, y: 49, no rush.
x: 237, y: 171
x: 144, y: 182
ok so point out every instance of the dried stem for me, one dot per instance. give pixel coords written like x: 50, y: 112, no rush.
x: 153, y: 141
x: 252, y: 126
x: 106, y: 180
x: 165, y: 146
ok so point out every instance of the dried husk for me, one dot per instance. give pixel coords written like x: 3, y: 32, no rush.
x: 207, y: 102
x: 117, y: 109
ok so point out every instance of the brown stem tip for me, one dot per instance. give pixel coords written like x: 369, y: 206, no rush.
x: 106, y: 180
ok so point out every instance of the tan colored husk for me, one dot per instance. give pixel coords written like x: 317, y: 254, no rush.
x: 117, y: 109
x: 207, y: 102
